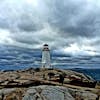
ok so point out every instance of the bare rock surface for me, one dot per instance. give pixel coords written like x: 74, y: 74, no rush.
x: 57, y: 93
x: 82, y: 95
x: 6, y: 91
x: 48, y: 93
x: 43, y: 84
x: 22, y: 77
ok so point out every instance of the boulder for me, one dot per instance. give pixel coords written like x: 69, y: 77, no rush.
x: 48, y: 93
x: 6, y: 91
x: 82, y: 95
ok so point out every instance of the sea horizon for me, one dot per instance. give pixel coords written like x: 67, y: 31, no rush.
x: 12, y: 58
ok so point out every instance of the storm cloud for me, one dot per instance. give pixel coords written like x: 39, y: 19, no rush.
x: 69, y: 26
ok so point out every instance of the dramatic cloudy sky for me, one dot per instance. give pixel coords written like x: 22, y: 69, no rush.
x: 68, y: 26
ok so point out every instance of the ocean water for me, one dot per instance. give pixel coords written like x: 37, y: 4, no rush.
x: 94, y: 73
x: 15, y: 58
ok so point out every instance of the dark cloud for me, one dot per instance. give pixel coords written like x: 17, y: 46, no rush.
x: 61, y: 23
x: 29, y: 24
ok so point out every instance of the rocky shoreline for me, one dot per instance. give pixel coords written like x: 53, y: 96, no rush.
x: 44, y: 84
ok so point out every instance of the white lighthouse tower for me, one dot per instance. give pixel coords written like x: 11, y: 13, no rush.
x: 46, y: 56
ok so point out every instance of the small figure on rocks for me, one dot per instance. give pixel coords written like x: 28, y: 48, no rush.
x: 2, y: 96
x: 98, y: 98
x: 61, y: 80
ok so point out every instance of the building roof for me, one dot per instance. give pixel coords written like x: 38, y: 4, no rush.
x: 45, y: 45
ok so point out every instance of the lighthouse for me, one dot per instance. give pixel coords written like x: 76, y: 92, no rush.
x: 46, y: 56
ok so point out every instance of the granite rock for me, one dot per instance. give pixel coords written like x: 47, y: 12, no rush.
x: 48, y: 93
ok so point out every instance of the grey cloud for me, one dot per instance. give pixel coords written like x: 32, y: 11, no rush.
x: 28, y: 25
x: 4, y: 24
x: 24, y: 40
x: 56, y: 22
